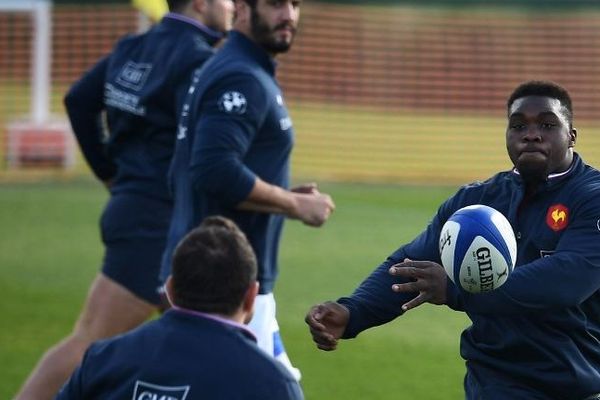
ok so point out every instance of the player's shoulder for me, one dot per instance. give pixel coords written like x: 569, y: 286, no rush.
x: 228, y: 65
x: 267, y: 367
x: 497, y: 186
x: 496, y: 182
x: 126, y: 341
x: 190, y: 47
x: 234, y: 59
x: 177, y: 51
x: 254, y: 370
x: 221, y: 78
x: 128, y: 41
x: 590, y: 176
x: 584, y: 187
x: 275, y: 380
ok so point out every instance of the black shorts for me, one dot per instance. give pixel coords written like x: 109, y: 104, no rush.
x: 134, y: 231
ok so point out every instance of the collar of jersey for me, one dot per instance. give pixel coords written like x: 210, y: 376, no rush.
x: 248, y: 47
x: 211, y: 35
x: 559, y: 176
x: 243, y: 328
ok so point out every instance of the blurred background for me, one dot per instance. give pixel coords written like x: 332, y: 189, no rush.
x: 395, y: 104
x: 393, y: 91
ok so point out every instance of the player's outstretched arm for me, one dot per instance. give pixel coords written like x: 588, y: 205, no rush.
x: 426, y: 278
x: 327, y: 323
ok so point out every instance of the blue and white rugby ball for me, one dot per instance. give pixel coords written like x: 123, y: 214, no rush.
x: 478, y: 248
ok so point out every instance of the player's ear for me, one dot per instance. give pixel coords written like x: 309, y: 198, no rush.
x: 199, y: 6
x: 573, y: 137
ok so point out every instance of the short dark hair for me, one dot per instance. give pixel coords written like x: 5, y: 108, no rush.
x: 213, y: 267
x: 546, y: 89
x: 177, y: 5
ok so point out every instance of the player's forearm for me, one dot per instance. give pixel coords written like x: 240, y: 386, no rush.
x: 269, y: 198
x: 84, y: 103
x: 88, y: 132
x: 572, y: 279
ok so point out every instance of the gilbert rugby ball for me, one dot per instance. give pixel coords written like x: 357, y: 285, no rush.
x: 478, y: 248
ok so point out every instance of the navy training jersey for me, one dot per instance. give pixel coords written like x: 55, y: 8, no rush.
x: 140, y: 85
x: 541, y: 329
x: 234, y: 127
x: 184, y: 355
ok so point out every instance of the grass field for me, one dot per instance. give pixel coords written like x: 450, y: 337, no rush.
x: 50, y: 250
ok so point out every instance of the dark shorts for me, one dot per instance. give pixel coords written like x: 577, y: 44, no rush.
x: 134, y: 230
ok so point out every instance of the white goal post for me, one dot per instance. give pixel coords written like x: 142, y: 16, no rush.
x: 38, y: 64
x: 41, y: 11
x: 38, y: 139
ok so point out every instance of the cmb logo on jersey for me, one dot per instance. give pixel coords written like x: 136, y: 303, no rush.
x: 149, y: 391
x: 133, y: 75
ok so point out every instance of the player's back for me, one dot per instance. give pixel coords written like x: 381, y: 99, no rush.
x: 146, y: 78
x: 183, y: 356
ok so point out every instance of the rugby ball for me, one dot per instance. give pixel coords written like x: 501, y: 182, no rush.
x: 478, y: 248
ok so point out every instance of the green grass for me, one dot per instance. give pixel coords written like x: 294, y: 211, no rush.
x: 50, y: 251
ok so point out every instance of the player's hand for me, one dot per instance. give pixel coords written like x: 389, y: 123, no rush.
x: 313, y: 208
x: 428, y: 279
x: 327, y: 322
x: 310, y: 188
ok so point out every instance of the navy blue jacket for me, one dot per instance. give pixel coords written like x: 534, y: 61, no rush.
x: 141, y: 85
x: 185, y: 355
x: 541, y: 329
x: 234, y: 127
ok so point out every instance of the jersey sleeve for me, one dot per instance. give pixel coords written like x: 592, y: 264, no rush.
x: 564, y: 279
x: 230, y: 116
x: 84, y: 104
x: 374, y: 302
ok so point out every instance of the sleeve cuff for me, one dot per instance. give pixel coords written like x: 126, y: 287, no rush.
x: 453, y: 296
x: 352, y: 329
x: 240, y: 190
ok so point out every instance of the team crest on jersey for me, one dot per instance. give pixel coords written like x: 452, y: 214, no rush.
x: 233, y: 103
x: 149, y: 391
x: 134, y: 75
x: 557, y: 217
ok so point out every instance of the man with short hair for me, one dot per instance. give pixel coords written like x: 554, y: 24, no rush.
x: 233, y: 148
x: 140, y: 87
x: 199, y: 349
x: 537, y: 336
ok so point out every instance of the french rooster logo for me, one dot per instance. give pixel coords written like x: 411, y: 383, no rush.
x: 557, y: 217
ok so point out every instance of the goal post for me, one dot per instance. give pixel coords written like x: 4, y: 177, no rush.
x: 38, y: 139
